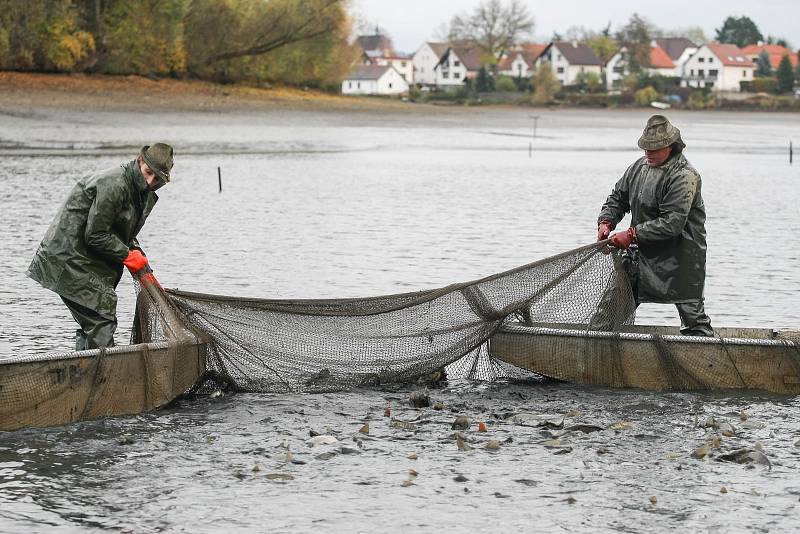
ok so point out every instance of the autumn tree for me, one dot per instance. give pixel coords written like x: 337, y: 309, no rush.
x: 740, y: 31
x: 603, y: 46
x: 545, y: 84
x: 42, y: 35
x: 637, y: 35
x: 294, y: 41
x: 142, y: 37
x: 493, y: 26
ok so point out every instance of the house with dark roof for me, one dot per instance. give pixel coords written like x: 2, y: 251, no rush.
x: 375, y: 45
x: 679, y: 50
x: 458, y: 63
x: 570, y: 61
x: 378, y: 50
x: 617, y: 68
x: 374, y: 80
x: 721, y: 67
x: 425, y: 60
x: 521, y: 60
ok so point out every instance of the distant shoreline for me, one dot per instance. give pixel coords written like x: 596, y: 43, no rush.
x: 22, y: 91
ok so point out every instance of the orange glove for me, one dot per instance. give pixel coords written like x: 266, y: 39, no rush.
x: 623, y: 239
x: 604, y: 228
x: 136, y: 261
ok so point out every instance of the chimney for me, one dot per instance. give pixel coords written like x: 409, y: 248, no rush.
x: 574, y: 44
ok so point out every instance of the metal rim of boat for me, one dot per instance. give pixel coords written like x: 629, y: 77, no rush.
x: 635, y: 336
x: 91, y: 353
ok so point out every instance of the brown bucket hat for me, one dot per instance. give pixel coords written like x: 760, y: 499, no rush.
x: 659, y: 133
x: 159, y: 158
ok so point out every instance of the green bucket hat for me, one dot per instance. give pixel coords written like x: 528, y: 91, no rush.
x: 159, y: 158
x: 659, y: 133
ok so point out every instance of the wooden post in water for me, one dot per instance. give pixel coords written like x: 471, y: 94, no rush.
x: 219, y: 177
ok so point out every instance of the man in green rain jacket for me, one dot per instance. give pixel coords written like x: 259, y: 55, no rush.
x: 94, y: 234
x: 662, y: 192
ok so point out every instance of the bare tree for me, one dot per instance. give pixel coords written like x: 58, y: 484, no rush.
x: 493, y: 26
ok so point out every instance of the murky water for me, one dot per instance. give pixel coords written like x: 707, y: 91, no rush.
x: 332, y: 205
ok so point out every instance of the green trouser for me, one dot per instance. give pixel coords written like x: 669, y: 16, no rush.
x: 609, y: 316
x: 95, y: 330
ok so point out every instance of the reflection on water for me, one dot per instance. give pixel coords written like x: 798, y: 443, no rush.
x: 333, y: 205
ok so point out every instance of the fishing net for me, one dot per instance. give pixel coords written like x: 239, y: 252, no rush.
x: 263, y: 345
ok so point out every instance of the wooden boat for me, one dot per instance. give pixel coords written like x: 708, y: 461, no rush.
x: 56, y: 389
x: 655, y: 357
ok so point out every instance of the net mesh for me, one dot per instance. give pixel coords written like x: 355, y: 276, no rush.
x: 262, y: 345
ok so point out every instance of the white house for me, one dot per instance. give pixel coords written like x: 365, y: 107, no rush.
x: 374, y: 80
x: 425, y: 60
x: 402, y: 63
x: 679, y: 50
x: 570, y: 60
x: 617, y: 67
x: 521, y: 61
x: 719, y: 66
x: 456, y: 65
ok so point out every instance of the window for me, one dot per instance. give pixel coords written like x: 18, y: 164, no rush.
x: 456, y: 63
x: 713, y: 73
x: 701, y: 60
x: 445, y: 75
x: 691, y: 72
x: 744, y: 74
x: 403, y: 64
x: 390, y: 85
x: 560, y: 70
x: 359, y: 85
x: 558, y: 57
x: 701, y: 73
x: 350, y: 85
x: 711, y: 60
x: 456, y: 75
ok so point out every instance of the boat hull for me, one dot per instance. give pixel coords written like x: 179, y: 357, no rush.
x: 652, y: 358
x: 85, y: 385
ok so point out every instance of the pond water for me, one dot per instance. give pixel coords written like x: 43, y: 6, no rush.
x: 330, y: 204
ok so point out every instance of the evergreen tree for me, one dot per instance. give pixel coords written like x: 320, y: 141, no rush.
x: 637, y: 36
x: 763, y: 66
x: 785, y: 75
x: 484, y: 83
x: 740, y: 31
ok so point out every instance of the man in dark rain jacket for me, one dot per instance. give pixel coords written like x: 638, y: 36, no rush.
x: 93, y: 235
x: 662, y: 192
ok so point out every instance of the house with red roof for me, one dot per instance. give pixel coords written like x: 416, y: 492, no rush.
x: 570, y: 60
x: 660, y: 64
x: 775, y: 53
x: 721, y: 67
x: 520, y: 62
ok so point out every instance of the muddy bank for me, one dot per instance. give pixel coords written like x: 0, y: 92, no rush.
x: 24, y: 91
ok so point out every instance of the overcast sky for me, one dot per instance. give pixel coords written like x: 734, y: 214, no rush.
x: 412, y: 22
